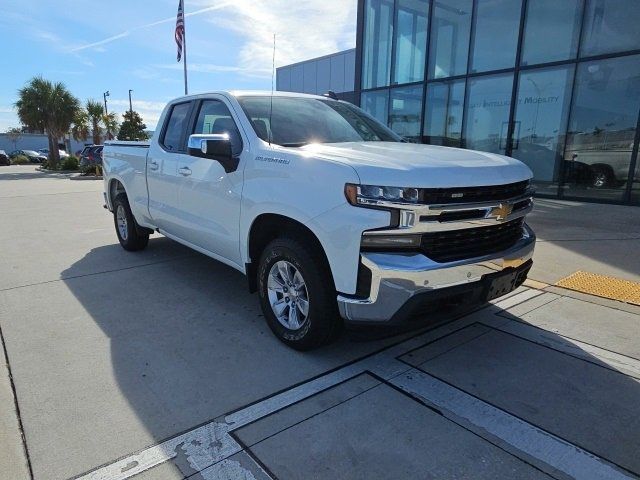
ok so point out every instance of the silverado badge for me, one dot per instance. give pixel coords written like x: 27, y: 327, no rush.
x: 502, y: 211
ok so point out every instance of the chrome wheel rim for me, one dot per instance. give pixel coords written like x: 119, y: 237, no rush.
x: 121, y: 221
x: 600, y: 180
x: 288, y: 295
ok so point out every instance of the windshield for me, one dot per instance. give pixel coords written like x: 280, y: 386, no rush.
x: 297, y: 121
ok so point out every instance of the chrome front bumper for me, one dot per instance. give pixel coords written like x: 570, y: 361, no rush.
x: 398, y: 278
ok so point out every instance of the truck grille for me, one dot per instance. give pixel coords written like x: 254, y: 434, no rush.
x: 472, y: 194
x: 453, y: 245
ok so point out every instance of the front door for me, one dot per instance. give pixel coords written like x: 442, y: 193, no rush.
x: 162, y: 168
x: 208, y: 197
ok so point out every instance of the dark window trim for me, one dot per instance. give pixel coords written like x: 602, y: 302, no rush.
x: 183, y: 143
x: 509, y: 70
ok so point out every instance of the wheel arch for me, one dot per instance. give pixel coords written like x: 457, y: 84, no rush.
x: 115, y: 187
x: 269, y: 226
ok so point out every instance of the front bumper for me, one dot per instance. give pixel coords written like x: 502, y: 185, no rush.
x: 404, y: 285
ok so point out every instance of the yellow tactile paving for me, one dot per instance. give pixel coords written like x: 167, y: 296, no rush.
x: 603, y: 286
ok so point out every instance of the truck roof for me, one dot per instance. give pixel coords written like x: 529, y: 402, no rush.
x: 251, y: 93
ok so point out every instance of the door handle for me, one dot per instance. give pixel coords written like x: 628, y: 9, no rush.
x: 185, y: 171
x: 153, y: 165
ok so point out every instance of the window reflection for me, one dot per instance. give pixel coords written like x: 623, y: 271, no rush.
x: 602, y: 128
x: 443, y: 113
x: 610, y: 26
x: 376, y: 104
x: 496, y: 35
x: 551, y: 31
x: 376, y: 63
x: 488, y: 104
x: 541, y: 117
x: 411, y: 40
x: 450, y: 38
x: 404, y: 112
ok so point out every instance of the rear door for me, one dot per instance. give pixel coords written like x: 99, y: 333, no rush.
x: 209, y: 197
x: 162, y: 167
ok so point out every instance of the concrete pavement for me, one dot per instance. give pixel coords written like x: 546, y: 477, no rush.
x: 159, y: 365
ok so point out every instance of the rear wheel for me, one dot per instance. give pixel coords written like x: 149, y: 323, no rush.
x: 130, y: 235
x: 601, y: 177
x: 297, y: 294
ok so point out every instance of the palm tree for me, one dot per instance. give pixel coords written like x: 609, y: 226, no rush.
x: 110, y: 122
x: 44, y: 105
x: 95, y: 112
x: 80, y: 129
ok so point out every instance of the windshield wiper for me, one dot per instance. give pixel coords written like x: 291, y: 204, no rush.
x: 294, y: 145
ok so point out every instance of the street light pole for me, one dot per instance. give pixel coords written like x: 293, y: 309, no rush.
x: 105, y: 95
x: 130, y: 104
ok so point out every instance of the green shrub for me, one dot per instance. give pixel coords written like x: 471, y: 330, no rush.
x: 89, y: 169
x: 20, y: 160
x: 69, y: 163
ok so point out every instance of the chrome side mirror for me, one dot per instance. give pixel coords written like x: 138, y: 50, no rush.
x: 214, y: 146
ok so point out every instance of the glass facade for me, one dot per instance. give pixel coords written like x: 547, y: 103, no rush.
x: 553, y: 84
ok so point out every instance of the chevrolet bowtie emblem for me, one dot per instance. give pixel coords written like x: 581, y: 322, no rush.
x: 502, y: 211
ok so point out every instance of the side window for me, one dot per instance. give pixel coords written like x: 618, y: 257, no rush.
x: 178, y: 118
x: 214, y: 117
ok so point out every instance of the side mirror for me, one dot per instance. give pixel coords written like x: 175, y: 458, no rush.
x: 216, y: 147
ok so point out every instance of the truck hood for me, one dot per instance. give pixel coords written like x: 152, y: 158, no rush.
x: 422, y: 166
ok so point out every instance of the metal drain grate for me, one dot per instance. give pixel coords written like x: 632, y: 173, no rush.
x: 603, y: 286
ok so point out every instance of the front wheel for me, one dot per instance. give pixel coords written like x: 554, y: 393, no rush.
x: 297, y: 295
x: 130, y: 235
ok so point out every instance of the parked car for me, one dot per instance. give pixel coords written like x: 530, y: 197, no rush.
x: 45, y: 152
x: 4, y: 158
x: 91, y: 155
x: 32, y: 155
x: 327, y: 212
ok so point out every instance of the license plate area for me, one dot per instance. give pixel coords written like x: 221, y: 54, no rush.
x: 502, y: 283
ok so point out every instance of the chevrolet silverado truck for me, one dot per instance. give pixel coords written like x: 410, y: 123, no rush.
x: 332, y: 217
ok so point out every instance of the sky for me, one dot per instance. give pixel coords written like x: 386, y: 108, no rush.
x: 115, y: 45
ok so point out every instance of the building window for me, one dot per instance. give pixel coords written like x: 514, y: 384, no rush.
x: 602, y: 128
x: 405, y: 109
x: 551, y: 31
x: 487, y: 112
x: 376, y: 104
x: 495, y: 35
x: 541, y: 120
x: 412, y: 18
x: 610, y: 26
x: 376, y: 63
x: 444, y: 107
x: 449, y: 49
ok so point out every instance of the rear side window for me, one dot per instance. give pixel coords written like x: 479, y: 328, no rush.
x: 178, y: 117
x: 214, y: 117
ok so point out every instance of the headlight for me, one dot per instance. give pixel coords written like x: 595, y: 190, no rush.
x: 377, y: 195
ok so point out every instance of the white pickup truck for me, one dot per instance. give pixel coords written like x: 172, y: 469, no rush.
x: 330, y: 215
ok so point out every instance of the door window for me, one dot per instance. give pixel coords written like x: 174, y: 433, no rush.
x: 215, y: 118
x: 174, y: 131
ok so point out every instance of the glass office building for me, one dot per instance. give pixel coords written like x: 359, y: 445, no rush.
x: 553, y: 83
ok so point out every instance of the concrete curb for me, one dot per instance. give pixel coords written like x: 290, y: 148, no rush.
x: 86, y: 177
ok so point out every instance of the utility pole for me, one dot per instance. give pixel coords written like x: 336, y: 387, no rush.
x: 130, y: 104
x: 105, y: 95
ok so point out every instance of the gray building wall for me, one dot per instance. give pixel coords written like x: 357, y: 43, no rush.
x: 317, y: 76
x: 35, y: 141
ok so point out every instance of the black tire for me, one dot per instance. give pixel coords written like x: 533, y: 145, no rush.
x: 135, y: 238
x: 322, y: 322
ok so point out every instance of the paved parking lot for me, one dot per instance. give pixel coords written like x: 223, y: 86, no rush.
x: 158, y: 365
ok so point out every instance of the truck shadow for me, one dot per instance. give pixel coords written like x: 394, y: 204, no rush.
x: 188, y: 343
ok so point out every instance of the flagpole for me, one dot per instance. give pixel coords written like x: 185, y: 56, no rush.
x: 184, y: 50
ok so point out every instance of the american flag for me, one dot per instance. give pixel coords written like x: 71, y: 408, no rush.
x: 180, y: 29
